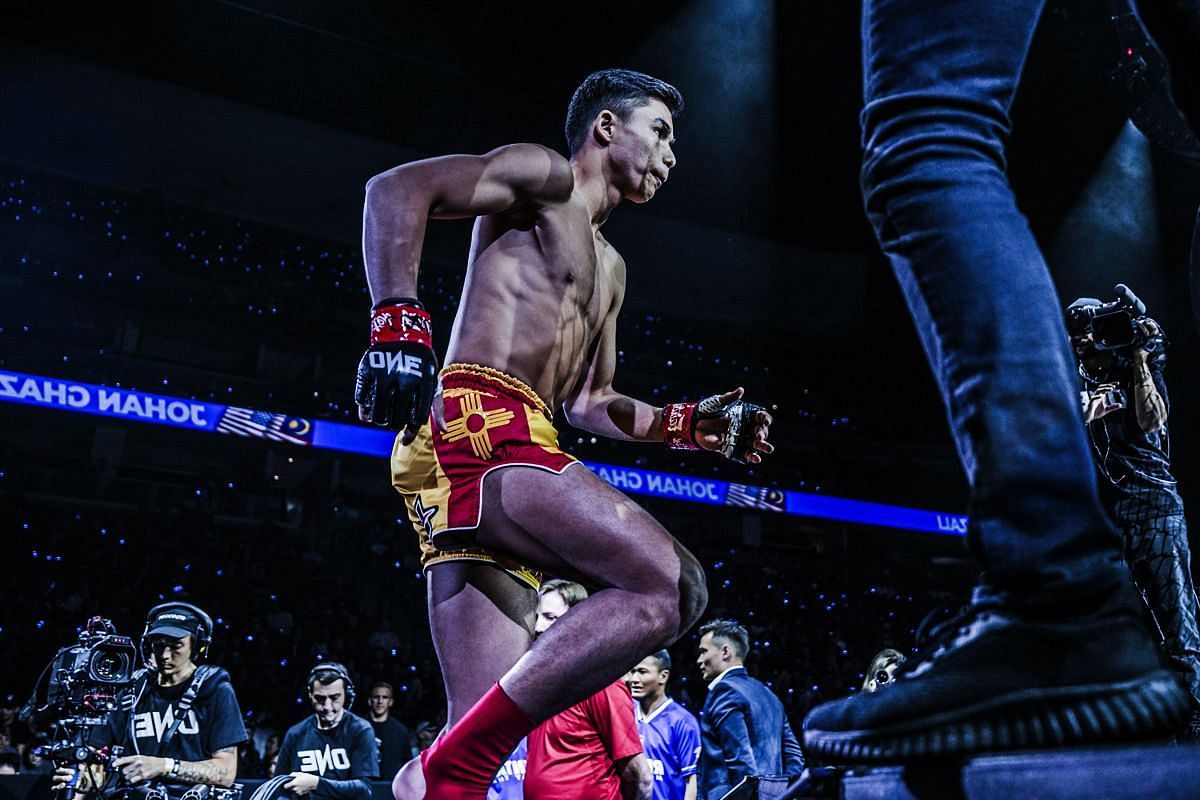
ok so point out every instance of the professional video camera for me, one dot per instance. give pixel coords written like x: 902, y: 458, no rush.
x: 77, y: 691
x: 1115, y: 325
x: 82, y: 682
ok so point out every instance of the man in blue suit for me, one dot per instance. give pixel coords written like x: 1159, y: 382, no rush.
x: 743, y: 729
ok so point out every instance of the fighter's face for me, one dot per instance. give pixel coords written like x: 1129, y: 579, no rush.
x: 647, y: 679
x: 328, y: 701
x: 641, y: 152
x: 550, y: 607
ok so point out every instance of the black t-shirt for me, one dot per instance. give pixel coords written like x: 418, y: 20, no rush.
x: 344, y: 752
x: 1126, y: 454
x: 396, y: 744
x: 214, y: 721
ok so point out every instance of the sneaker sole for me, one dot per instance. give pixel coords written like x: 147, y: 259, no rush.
x: 1032, y: 719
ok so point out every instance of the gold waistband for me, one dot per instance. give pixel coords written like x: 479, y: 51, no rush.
x: 515, y: 385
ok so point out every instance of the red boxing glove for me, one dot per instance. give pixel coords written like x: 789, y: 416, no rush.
x: 397, y: 376
x: 677, y: 426
x: 401, y: 321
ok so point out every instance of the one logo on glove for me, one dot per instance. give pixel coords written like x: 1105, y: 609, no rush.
x: 402, y: 363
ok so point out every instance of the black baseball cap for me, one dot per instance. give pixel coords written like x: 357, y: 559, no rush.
x: 175, y: 621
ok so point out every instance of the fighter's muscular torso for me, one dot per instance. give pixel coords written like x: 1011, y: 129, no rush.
x: 543, y: 287
x: 539, y: 285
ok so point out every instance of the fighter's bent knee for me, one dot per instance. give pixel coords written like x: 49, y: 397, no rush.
x: 660, y: 620
x: 693, y: 595
x: 672, y: 609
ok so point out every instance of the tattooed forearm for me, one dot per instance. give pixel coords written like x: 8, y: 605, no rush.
x: 217, y: 771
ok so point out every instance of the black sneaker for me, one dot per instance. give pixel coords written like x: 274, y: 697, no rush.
x: 1157, y: 45
x: 998, y: 682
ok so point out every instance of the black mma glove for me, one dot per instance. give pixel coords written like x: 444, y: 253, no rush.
x: 398, y: 375
x: 679, y: 425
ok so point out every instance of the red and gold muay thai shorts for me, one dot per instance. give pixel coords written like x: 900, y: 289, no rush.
x: 493, y: 421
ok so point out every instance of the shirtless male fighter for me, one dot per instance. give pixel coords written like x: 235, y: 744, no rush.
x: 535, y: 332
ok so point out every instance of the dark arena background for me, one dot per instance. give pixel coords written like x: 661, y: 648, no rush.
x: 181, y: 189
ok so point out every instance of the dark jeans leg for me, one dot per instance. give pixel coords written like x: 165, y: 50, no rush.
x: 939, y: 81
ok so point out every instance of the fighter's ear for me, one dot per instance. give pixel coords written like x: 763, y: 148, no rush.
x: 604, y: 127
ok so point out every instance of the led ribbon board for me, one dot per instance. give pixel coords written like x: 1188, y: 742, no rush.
x: 135, y: 406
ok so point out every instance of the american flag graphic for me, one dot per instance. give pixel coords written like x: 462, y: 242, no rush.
x: 754, y: 497
x: 265, y: 425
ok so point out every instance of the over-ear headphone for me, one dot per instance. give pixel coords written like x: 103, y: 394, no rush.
x: 201, y: 630
x: 338, y: 672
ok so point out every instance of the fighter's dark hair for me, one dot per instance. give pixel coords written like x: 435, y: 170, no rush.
x: 382, y: 685
x: 732, y: 632
x: 619, y: 91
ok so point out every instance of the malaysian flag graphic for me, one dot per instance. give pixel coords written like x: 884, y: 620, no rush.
x: 755, y: 497
x: 265, y: 425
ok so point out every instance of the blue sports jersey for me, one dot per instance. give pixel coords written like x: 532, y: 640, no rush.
x: 671, y: 740
x: 510, y: 780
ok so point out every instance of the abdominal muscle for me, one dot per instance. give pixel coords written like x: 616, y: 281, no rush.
x: 519, y: 316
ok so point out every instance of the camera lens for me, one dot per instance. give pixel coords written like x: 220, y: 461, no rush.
x: 110, y: 666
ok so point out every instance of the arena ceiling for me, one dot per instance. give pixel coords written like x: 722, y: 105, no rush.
x: 768, y: 144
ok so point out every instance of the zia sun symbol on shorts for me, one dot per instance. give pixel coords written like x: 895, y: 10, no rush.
x: 475, y: 423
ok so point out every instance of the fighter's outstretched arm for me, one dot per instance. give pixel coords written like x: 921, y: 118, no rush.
x: 402, y: 200
x: 596, y: 407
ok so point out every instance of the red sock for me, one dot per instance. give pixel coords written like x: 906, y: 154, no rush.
x: 463, y: 762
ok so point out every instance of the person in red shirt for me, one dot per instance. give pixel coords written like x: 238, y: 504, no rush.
x: 590, y: 751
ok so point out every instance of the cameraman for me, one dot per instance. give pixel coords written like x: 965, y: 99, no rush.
x: 1125, y: 407
x: 180, y: 725
x: 333, y: 752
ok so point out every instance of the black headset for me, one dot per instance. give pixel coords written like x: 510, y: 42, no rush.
x: 201, y: 636
x: 338, y: 672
